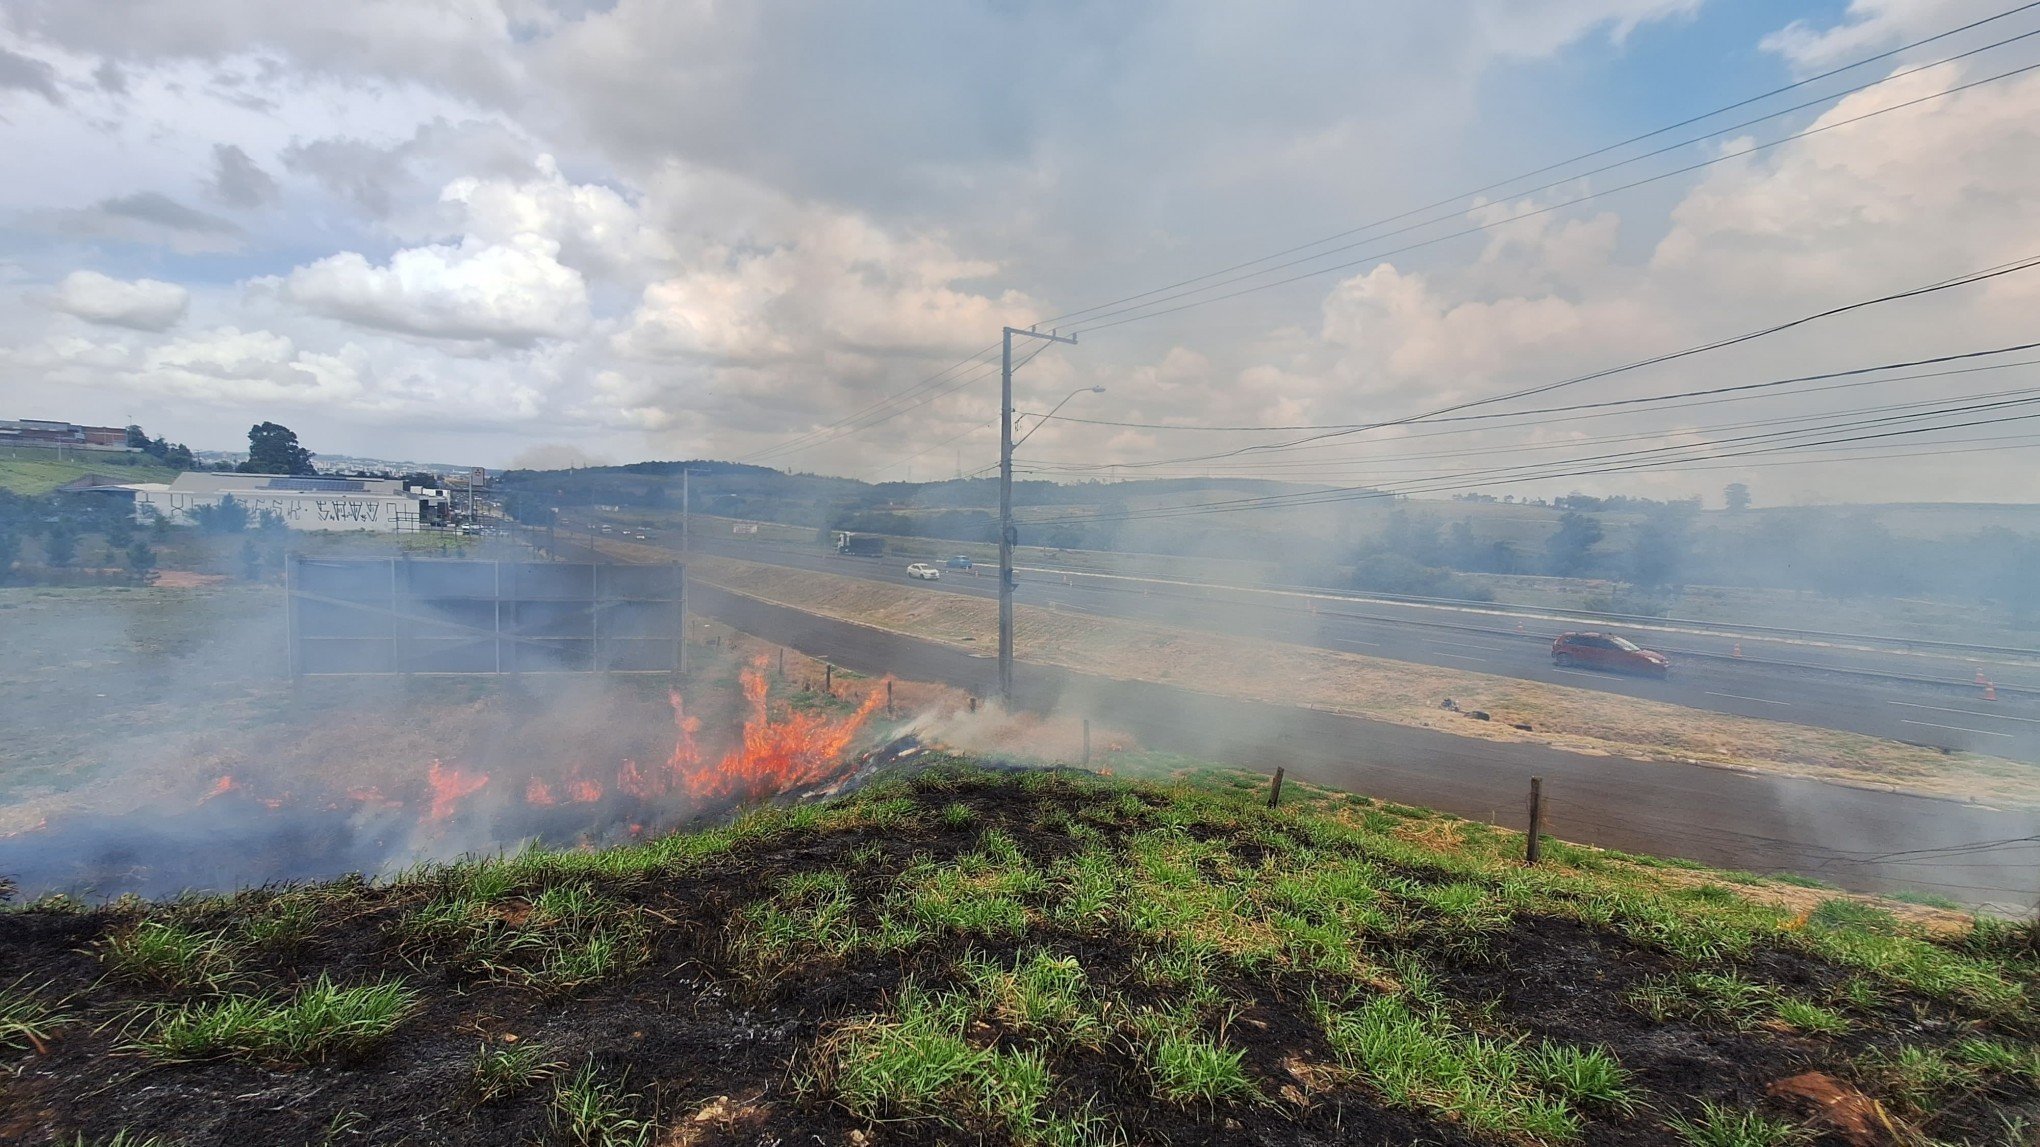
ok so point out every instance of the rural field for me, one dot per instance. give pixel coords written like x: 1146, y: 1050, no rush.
x: 965, y: 954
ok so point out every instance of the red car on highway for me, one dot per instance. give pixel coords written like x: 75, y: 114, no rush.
x: 1607, y: 651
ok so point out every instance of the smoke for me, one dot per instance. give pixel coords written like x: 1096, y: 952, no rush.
x: 172, y: 753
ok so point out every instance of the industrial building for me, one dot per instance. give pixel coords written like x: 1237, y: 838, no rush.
x: 42, y: 432
x: 380, y: 505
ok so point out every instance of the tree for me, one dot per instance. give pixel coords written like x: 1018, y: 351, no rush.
x: 141, y: 560
x: 175, y: 455
x: 1569, y: 551
x: 1736, y: 497
x: 60, y: 545
x: 227, y: 516
x: 274, y: 449
x: 1658, y: 556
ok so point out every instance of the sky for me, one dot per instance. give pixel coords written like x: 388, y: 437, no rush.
x: 548, y: 232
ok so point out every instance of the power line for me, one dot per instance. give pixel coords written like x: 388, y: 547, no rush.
x: 1452, y: 199
x: 1748, y: 386
x: 1510, y: 474
x: 1095, y: 324
x: 1574, y: 443
x: 1607, y: 372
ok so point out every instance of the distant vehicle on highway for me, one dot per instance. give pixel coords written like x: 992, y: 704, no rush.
x: 1607, y: 651
x: 959, y: 562
x: 924, y: 571
x: 860, y: 545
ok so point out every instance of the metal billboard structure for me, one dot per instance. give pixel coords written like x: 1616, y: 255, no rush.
x: 355, y: 616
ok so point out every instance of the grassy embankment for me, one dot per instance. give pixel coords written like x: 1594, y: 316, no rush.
x: 39, y: 472
x: 1043, y: 958
x: 1401, y: 692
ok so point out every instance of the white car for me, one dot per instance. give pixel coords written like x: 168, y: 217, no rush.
x: 924, y: 571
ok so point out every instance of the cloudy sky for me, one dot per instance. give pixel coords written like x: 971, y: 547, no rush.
x: 491, y: 231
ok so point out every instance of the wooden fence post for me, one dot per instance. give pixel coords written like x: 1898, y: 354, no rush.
x: 828, y: 679
x: 1533, y: 848
x: 1275, y: 789
x: 1087, y: 742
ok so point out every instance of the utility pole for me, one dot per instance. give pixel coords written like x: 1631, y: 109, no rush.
x: 1007, y: 535
x: 686, y: 507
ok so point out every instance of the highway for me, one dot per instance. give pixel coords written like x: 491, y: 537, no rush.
x: 1852, y: 837
x: 1916, y: 698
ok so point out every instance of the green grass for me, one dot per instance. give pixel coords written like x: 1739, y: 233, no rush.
x: 26, y: 1018
x: 917, y: 1063
x: 1719, y: 1126
x: 321, y: 1021
x: 1042, y: 996
x: 500, y: 1072
x: 592, y: 1111
x: 560, y: 941
x: 1189, y: 1067
x: 34, y: 476
x: 170, y: 956
x: 1418, y: 1057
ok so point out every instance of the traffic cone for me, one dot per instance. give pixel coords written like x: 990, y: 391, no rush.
x: 1980, y: 678
x: 1737, y: 651
x: 1519, y: 627
x: 1989, y: 691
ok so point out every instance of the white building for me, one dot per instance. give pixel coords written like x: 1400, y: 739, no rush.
x: 314, y: 503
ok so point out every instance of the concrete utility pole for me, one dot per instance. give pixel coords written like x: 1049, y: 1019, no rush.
x: 1007, y: 535
x: 686, y: 507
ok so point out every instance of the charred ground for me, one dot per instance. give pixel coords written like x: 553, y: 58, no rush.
x: 966, y: 956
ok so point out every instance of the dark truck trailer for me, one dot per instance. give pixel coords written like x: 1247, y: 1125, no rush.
x: 860, y: 545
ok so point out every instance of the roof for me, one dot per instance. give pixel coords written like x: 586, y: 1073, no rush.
x: 208, y: 482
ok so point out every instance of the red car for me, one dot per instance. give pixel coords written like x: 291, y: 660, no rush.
x: 1607, y: 651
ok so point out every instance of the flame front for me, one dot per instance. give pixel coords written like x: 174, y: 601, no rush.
x: 776, y: 756
x: 777, y: 751
x: 449, y: 787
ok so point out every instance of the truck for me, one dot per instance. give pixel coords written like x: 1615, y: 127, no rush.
x: 860, y: 545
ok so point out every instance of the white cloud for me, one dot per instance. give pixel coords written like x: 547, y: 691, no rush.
x: 142, y: 304
x: 511, y: 292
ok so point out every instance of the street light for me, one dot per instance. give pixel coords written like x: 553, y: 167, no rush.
x: 1056, y: 407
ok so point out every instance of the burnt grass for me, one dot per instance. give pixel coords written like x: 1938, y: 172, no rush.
x: 706, y: 1034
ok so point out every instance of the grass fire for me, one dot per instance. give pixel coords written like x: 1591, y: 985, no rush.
x: 251, y: 829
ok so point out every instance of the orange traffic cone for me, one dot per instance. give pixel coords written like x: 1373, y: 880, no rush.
x: 1737, y: 651
x: 1519, y: 627
x: 1989, y: 691
x: 1980, y: 678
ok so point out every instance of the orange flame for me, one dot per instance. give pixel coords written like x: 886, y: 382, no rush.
x: 581, y: 790
x: 450, y: 786
x: 639, y: 783
x: 220, y: 787
x: 538, y: 793
x: 775, y: 756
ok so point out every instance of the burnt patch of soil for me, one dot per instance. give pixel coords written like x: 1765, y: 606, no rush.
x: 715, y: 1032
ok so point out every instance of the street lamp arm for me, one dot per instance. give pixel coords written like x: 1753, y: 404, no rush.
x: 1053, y: 409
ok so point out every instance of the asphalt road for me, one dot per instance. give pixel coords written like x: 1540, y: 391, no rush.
x: 1855, y: 838
x: 1877, y: 693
